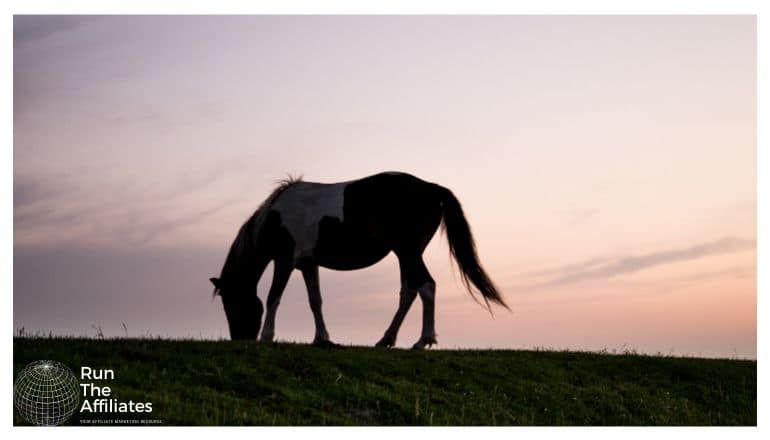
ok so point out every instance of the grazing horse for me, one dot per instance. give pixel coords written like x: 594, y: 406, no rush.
x: 346, y: 226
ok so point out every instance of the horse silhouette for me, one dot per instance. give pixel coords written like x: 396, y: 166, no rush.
x: 346, y: 226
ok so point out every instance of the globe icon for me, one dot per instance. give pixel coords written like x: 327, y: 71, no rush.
x: 46, y: 393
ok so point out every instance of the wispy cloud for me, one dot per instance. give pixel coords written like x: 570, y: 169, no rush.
x: 27, y: 28
x: 569, y: 268
x: 579, y: 215
x: 28, y: 190
x: 54, y: 208
x: 602, y: 268
x: 162, y: 227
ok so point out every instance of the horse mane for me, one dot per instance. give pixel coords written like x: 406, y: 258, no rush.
x: 258, y: 218
x: 247, y: 235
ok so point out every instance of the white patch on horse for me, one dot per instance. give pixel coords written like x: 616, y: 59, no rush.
x: 302, y: 206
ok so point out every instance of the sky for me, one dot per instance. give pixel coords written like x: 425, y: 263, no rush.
x: 607, y: 166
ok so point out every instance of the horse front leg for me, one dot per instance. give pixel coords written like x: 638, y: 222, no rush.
x: 310, y: 275
x: 281, y: 272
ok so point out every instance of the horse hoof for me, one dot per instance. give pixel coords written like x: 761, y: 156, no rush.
x: 385, y: 342
x: 423, y: 342
x: 325, y: 344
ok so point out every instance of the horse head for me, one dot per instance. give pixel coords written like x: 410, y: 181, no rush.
x: 242, y: 307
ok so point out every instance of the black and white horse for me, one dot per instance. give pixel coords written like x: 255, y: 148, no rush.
x: 346, y: 226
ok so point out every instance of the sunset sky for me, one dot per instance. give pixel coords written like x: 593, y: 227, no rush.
x: 607, y: 166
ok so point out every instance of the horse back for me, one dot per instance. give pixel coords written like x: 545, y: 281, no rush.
x: 351, y: 225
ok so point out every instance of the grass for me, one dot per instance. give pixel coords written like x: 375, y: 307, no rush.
x: 235, y: 383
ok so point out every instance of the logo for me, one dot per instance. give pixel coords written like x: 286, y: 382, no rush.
x: 46, y: 393
x: 99, y: 399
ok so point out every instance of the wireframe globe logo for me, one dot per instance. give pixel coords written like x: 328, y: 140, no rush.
x: 46, y: 393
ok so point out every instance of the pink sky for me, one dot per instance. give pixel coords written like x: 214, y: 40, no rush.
x: 606, y: 164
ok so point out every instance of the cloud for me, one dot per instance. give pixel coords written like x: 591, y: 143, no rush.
x: 28, y: 28
x: 156, y: 229
x: 28, y: 190
x: 570, y: 268
x: 579, y: 216
x: 602, y: 268
x: 54, y: 208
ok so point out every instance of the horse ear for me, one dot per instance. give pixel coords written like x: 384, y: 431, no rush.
x: 216, y: 283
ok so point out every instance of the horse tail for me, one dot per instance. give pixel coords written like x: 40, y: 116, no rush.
x: 463, y: 249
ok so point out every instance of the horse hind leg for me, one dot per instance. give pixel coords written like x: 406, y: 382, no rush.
x: 428, y: 297
x: 406, y: 298
x: 414, y: 279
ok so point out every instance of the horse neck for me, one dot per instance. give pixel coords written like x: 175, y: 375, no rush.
x: 245, y: 264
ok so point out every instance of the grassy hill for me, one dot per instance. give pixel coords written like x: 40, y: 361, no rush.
x: 228, y: 383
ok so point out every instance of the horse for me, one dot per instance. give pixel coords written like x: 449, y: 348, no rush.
x: 346, y: 226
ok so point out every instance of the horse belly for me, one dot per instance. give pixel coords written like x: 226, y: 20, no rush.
x: 344, y: 248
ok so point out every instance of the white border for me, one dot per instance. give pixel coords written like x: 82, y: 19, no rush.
x: 377, y: 7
